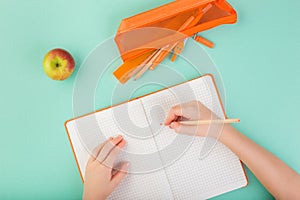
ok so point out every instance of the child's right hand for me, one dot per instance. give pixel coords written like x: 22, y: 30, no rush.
x: 193, y: 110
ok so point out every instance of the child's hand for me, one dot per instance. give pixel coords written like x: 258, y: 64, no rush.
x: 193, y: 110
x: 99, y: 180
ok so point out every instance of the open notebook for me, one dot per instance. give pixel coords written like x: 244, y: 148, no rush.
x: 164, y: 165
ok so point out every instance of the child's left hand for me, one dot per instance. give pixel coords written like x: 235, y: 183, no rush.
x: 99, y: 180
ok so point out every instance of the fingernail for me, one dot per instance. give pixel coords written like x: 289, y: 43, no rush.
x: 118, y: 137
x: 172, y: 125
x: 122, y: 144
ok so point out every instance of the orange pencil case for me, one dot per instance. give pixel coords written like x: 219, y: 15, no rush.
x: 143, y: 33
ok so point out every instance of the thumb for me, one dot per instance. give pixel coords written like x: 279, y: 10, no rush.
x: 118, y: 177
x: 184, y: 129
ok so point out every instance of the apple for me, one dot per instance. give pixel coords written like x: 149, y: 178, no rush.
x: 58, y: 64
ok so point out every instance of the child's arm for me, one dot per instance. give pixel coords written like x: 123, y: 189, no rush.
x: 278, y: 178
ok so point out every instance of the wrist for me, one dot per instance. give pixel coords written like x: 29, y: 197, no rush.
x: 215, y: 131
x: 93, y: 197
x: 226, y: 132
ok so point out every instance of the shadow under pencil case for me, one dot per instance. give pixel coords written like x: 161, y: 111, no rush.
x: 141, y: 34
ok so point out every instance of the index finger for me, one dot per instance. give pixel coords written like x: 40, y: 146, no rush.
x: 108, y: 147
x: 114, y: 153
x: 97, y: 150
x: 173, y: 114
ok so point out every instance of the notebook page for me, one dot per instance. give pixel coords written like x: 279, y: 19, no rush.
x: 158, y: 105
x: 81, y: 154
x: 87, y: 132
x: 129, y: 120
x: 190, y: 177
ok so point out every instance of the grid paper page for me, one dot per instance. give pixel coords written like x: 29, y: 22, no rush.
x: 82, y: 155
x: 129, y: 121
x: 134, y: 186
x: 190, y: 177
x: 157, y: 107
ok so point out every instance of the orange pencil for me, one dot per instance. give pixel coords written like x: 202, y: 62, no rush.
x: 214, y: 121
x: 177, y: 50
x: 203, y: 122
x: 189, y: 23
x: 145, y: 65
x: 165, y: 51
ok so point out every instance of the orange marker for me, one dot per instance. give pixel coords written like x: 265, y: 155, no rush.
x: 204, y: 41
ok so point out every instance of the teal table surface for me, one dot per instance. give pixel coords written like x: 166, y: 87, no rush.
x: 258, y: 59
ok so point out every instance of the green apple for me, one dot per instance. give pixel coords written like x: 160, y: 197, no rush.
x: 58, y: 64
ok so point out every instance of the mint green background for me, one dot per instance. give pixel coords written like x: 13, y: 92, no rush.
x: 258, y: 58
